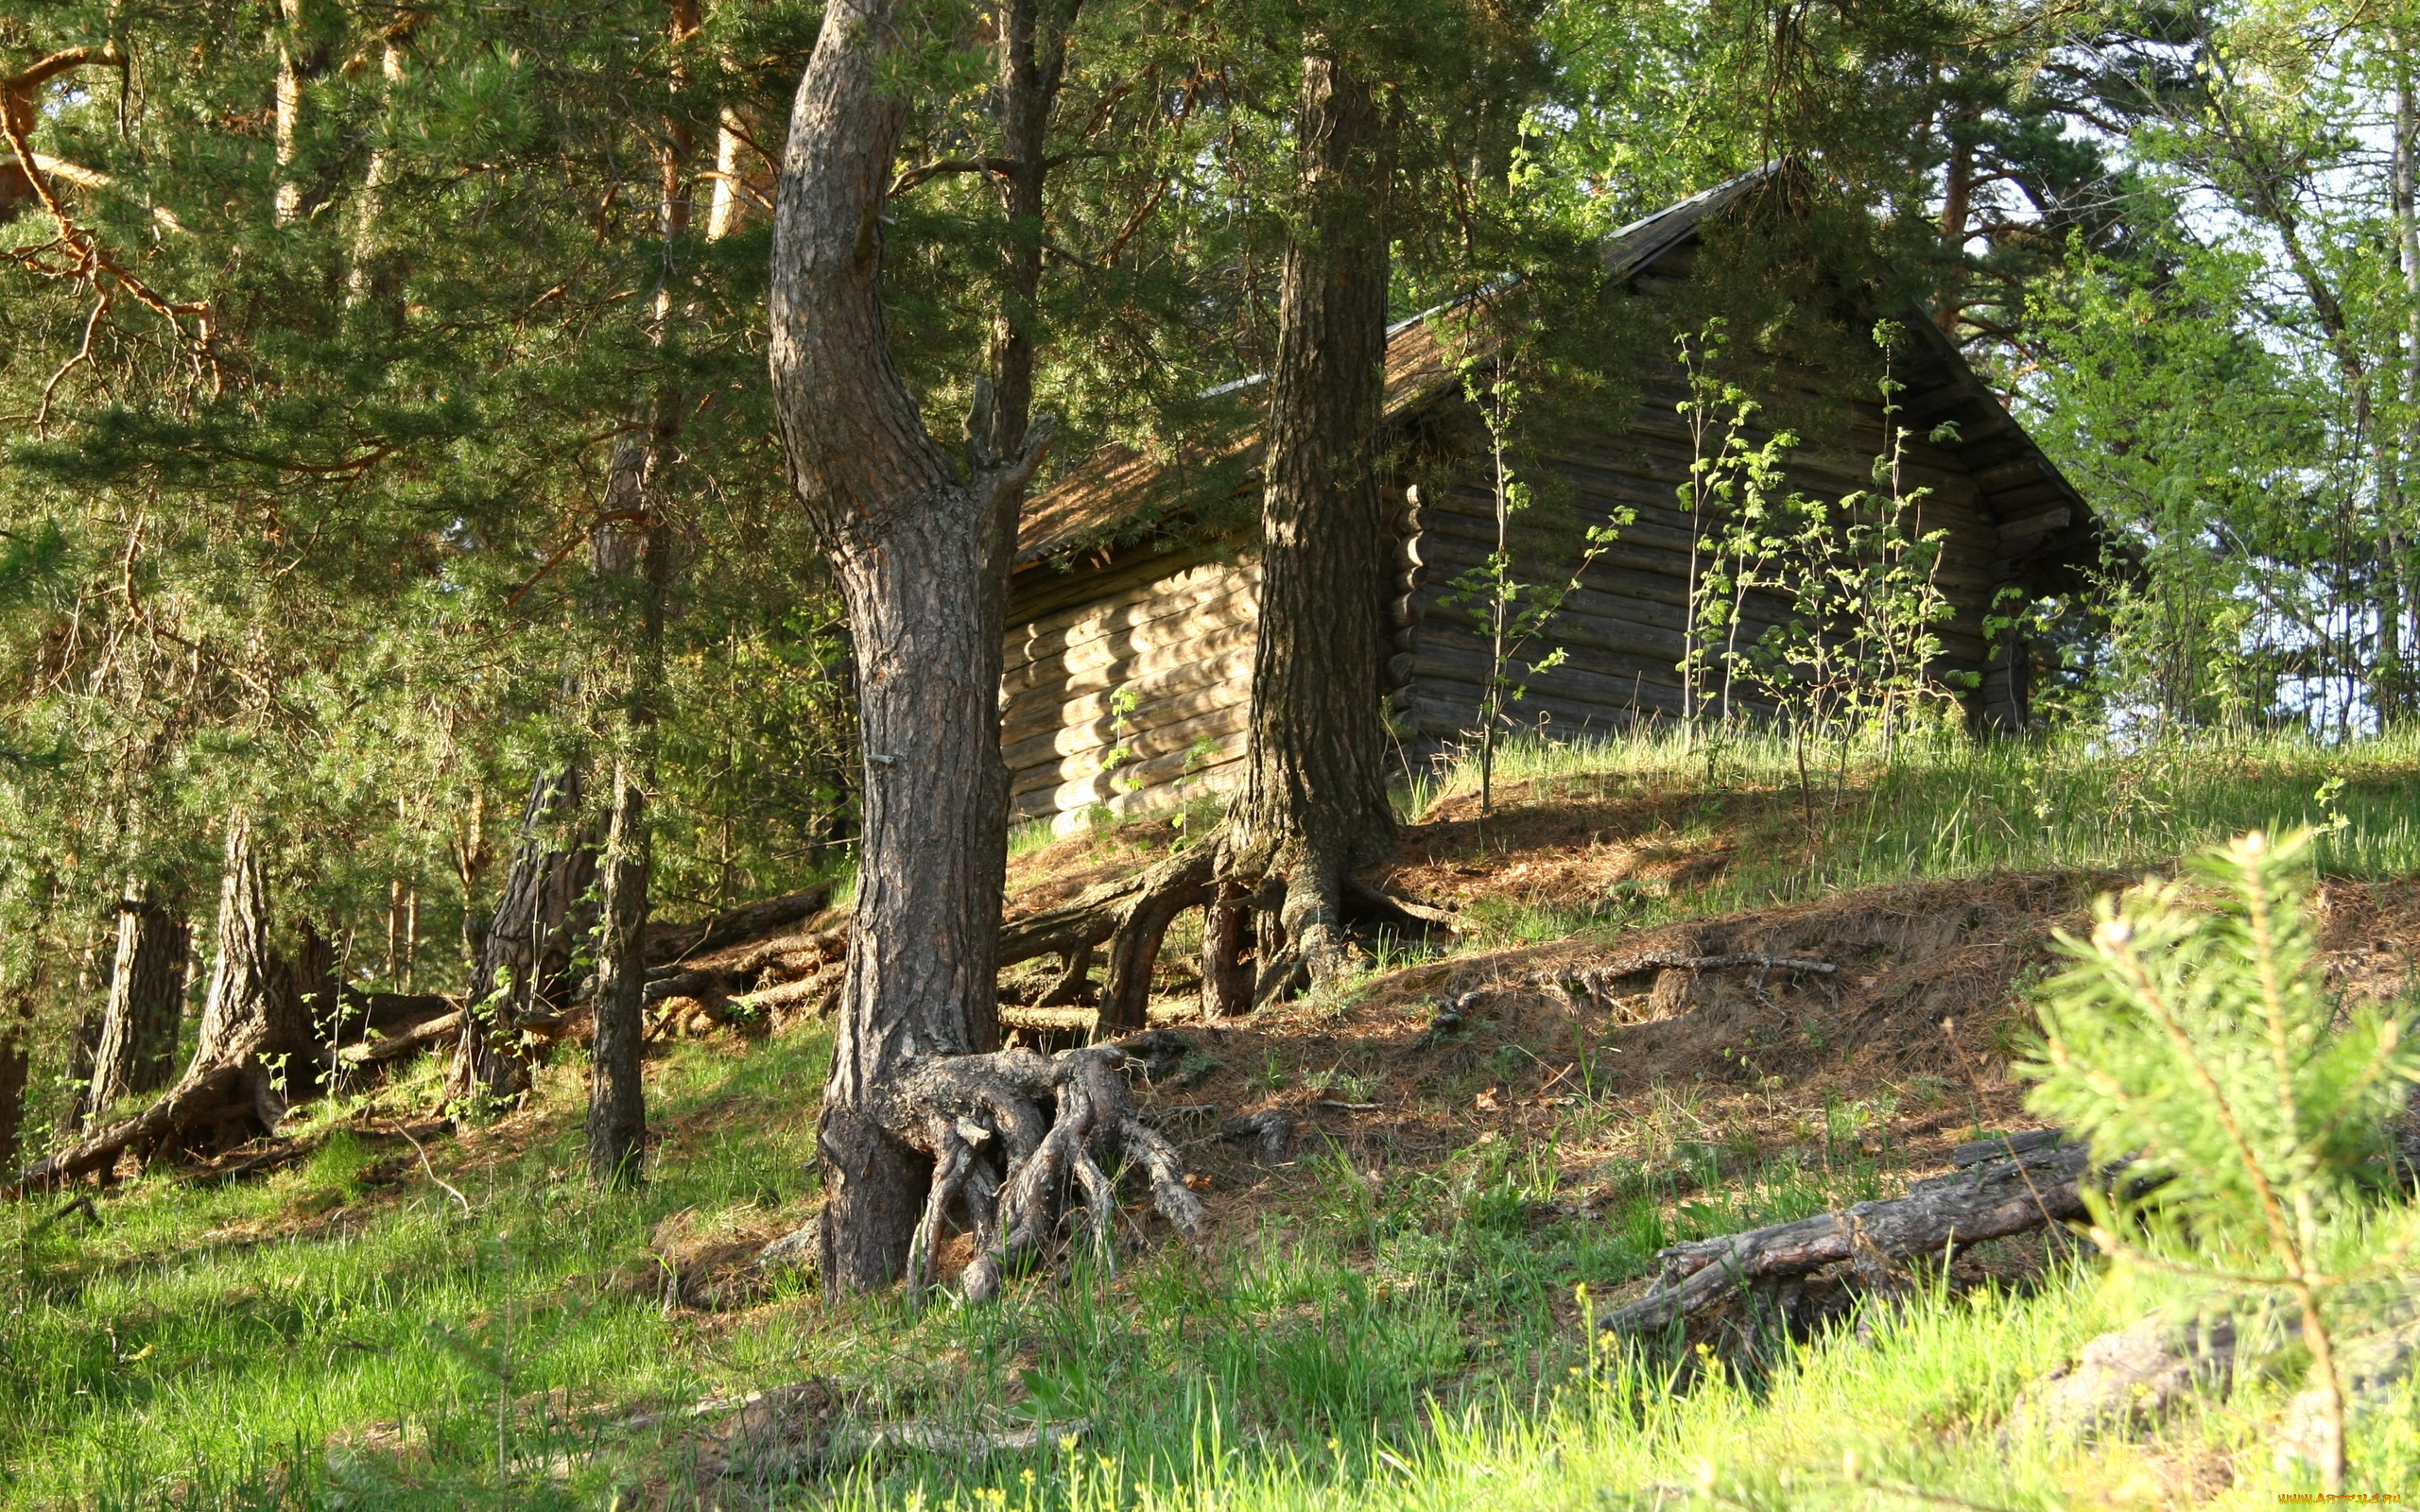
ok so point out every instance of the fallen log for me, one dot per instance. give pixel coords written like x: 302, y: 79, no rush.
x: 802, y: 990
x: 181, y: 1105
x: 1595, y: 978
x: 827, y: 946
x: 697, y: 984
x: 400, y: 1046
x: 672, y: 942
x: 1990, y: 1199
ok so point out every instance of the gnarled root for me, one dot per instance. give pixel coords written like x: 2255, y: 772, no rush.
x: 1013, y: 1172
x: 1288, y: 906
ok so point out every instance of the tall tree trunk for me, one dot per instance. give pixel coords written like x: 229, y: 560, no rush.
x: 641, y: 536
x: 16, y: 1072
x: 138, y: 1040
x: 1314, y: 802
x: 2396, y: 602
x: 540, y: 924
x: 286, y: 125
x: 254, y: 1018
x: 1957, y: 190
x: 257, y: 1047
x: 910, y: 538
x: 616, y: 1096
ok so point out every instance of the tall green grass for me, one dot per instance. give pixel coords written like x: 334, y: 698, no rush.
x: 1950, y: 806
x: 1403, y: 1340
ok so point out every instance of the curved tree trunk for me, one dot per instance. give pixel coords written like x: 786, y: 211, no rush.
x: 138, y: 1042
x: 907, y: 535
x: 526, y: 965
x: 1314, y: 804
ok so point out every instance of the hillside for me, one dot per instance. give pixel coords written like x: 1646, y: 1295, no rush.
x: 1484, y: 1135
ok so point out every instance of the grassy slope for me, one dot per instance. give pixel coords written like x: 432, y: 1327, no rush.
x: 342, y: 1333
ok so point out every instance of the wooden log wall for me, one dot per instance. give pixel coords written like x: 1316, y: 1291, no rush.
x: 1147, y: 659
x: 1623, y: 630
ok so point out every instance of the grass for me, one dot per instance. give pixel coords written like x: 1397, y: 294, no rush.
x: 1947, y: 806
x: 1393, y: 1340
x: 345, y: 1332
x: 1397, y: 1339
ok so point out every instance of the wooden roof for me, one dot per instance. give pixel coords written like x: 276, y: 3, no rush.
x: 2052, y: 541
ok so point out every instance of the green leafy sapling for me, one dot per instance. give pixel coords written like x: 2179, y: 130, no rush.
x: 1514, y: 613
x: 2194, y: 1039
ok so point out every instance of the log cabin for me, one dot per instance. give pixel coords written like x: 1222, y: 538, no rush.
x: 1128, y: 662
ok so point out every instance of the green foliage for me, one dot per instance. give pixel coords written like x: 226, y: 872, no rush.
x: 2201, y: 1045
x: 2198, y: 1047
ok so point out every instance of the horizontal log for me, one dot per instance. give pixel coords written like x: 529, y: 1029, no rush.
x: 1046, y: 590
x: 805, y: 988
x: 1965, y: 577
x: 1206, y: 630
x: 1040, y: 708
x: 1108, y: 677
x: 1447, y: 707
x: 1991, y: 1199
x: 669, y: 942
x: 1072, y: 730
x: 1156, y: 791
x: 404, y: 1044
x: 1168, y: 743
x: 1189, y: 593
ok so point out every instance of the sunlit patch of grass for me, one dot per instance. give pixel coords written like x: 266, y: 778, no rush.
x: 1394, y: 1338
x: 1950, y: 806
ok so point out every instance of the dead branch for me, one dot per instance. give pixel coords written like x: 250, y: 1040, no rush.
x: 183, y: 1106
x: 1992, y: 1198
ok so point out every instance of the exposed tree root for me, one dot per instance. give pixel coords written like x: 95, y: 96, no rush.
x: 195, y: 1101
x: 1268, y: 916
x: 1015, y: 1171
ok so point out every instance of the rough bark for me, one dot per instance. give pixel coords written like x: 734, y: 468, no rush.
x: 137, y: 1049
x: 254, y: 1018
x: 16, y: 1067
x: 617, y: 1103
x: 2029, y: 1182
x: 1226, y: 976
x: 526, y: 965
x: 1314, y: 805
x: 909, y: 535
x: 1317, y: 774
x: 641, y: 538
x: 258, y: 1046
x: 1033, y: 55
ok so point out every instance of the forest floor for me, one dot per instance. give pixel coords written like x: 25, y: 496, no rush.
x: 386, y: 1311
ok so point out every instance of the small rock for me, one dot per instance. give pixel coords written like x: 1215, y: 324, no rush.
x: 802, y: 1249
x: 2125, y: 1382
